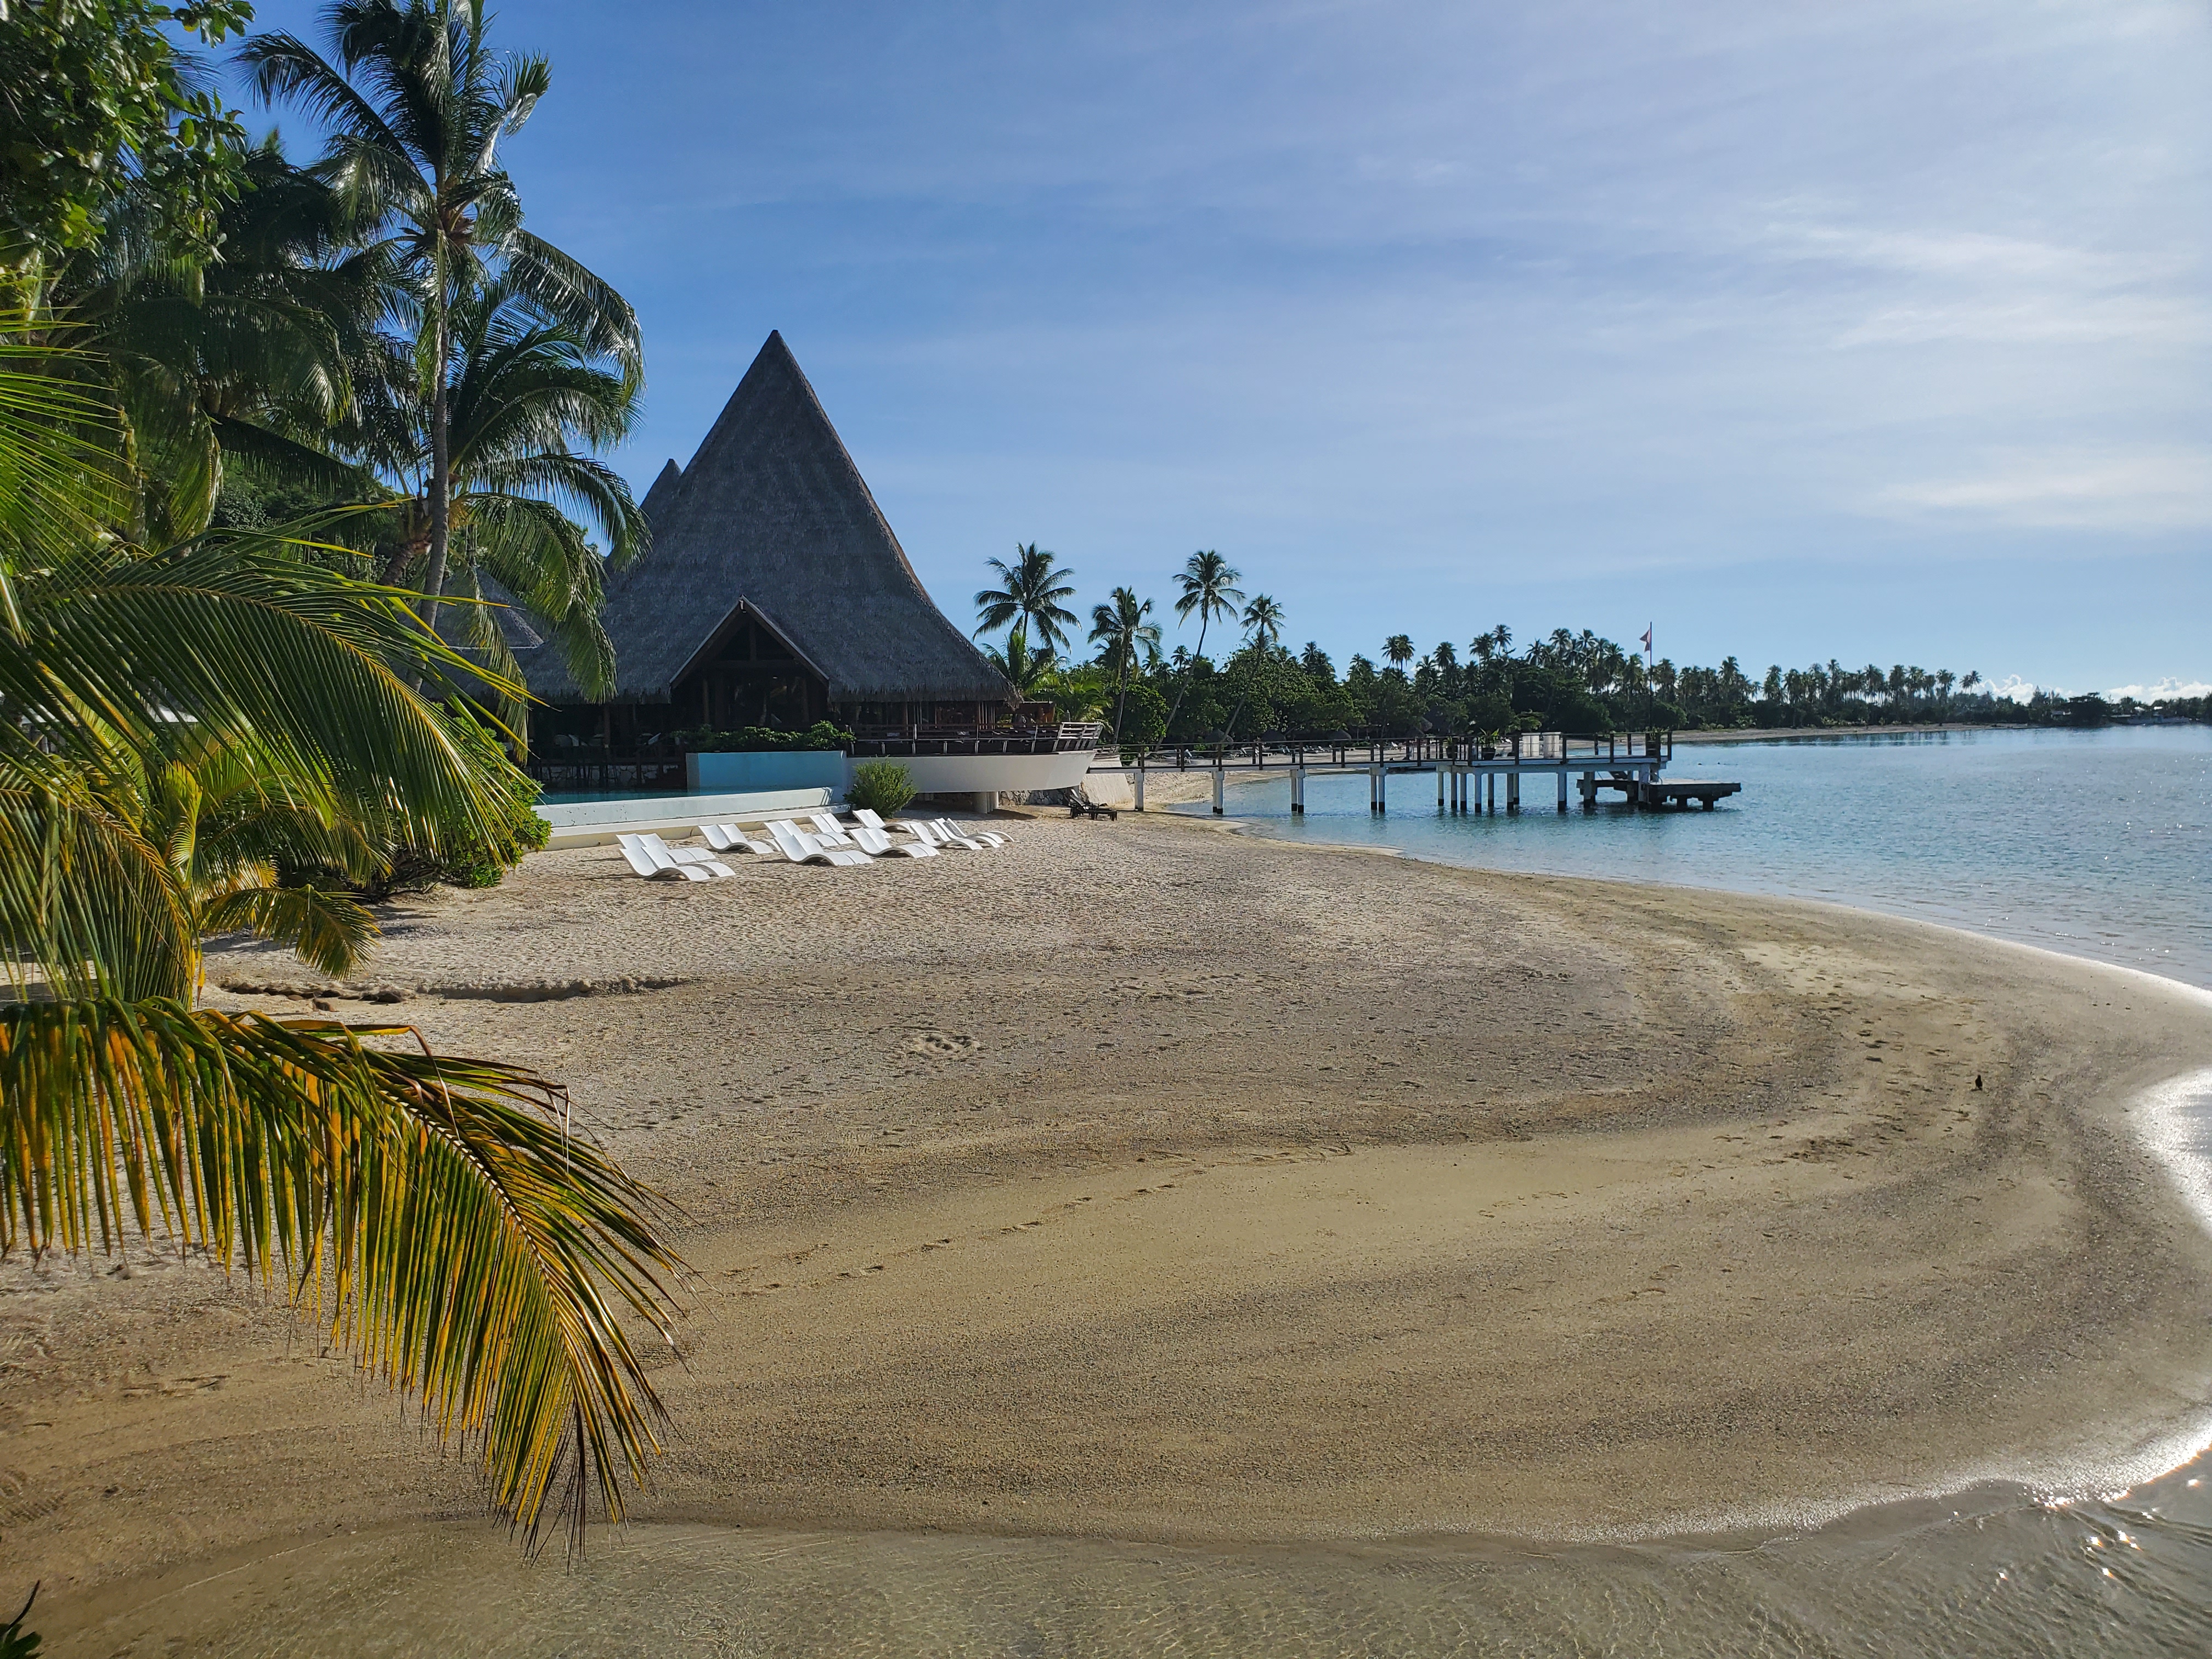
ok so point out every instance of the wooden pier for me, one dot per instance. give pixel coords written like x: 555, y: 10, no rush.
x: 1472, y: 776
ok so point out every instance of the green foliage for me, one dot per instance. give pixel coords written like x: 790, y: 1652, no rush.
x: 477, y: 854
x: 880, y: 786
x: 102, y: 116
x: 1144, y: 719
x: 765, y: 739
x: 15, y: 1642
x: 1028, y: 597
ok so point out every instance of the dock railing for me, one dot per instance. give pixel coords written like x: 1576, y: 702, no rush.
x: 1563, y: 749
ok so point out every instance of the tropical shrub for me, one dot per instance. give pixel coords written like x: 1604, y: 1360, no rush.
x: 480, y: 851
x: 1144, y: 719
x: 880, y: 786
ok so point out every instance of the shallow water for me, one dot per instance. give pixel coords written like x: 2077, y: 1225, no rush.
x: 2097, y: 843
x: 1997, y: 1576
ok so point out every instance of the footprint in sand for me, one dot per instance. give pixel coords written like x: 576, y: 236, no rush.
x: 939, y: 1045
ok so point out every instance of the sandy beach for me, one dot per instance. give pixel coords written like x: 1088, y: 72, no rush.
x: 1144, y: 1181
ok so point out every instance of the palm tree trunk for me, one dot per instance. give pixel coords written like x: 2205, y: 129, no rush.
x: 1183, y: 689
x: 1122, y: 703
x: 442, y: 483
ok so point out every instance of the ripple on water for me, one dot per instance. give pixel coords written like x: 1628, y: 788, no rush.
x: 2009, y: 1577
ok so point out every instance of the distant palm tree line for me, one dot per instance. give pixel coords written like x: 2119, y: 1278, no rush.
x: 1577, y: 681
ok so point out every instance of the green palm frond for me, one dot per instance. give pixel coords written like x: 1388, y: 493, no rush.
x: 297, y: 665
x: 459, y: 1237
x: 59, y: 483
x: 87, y: 903
x: 326, y: 929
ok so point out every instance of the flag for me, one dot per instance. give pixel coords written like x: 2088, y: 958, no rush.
x: 1647, y: 636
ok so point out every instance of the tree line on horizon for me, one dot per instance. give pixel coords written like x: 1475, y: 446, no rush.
x: 1579, y: 682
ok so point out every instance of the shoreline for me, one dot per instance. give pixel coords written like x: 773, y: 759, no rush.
x: 1114, y: 1195
x: 1783, y: 733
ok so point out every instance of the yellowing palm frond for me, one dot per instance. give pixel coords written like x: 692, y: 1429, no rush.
x: 459, y: 1237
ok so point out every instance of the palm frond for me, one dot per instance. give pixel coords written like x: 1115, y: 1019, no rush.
x: 87, y: 903
x: 326, y: 928
x: 300, y: 667
x: 460, y: 1237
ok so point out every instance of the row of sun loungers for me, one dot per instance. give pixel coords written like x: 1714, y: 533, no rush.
x: 829, y: 842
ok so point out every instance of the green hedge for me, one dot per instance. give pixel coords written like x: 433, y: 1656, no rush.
x: 759, y: 740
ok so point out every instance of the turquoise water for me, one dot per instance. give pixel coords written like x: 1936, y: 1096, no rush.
x: 2097, y: 843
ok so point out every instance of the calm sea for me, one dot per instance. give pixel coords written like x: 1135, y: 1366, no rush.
x: 2098, y: 844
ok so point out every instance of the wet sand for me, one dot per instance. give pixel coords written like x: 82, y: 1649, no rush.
x: 1135, y: 1180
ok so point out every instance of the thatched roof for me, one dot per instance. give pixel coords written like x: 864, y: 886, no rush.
x: 663, y: 491
x: 772, y: 513
x: 459, y: 616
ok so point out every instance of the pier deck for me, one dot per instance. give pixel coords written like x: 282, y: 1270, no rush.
x: 1472, y: 776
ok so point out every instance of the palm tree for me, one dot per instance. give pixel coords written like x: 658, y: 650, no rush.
x: 1264, y: 617
x: 441, y: 1212
x: 248, y: 858
x: 1121, y: 629
x: 1028, y: 671
x: 1030, y: 598
x: 1209, y: 590
x: 416, y: 104
x: 527, y: 394
x: 1398, y: 648
x: 248, y: 356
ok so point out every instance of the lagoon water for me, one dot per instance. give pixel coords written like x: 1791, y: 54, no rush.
x: 2096, y: 843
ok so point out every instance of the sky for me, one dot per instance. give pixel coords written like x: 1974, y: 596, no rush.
x: 1879, y: 331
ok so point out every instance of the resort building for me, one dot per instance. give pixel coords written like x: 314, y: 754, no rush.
x: 775, y: 594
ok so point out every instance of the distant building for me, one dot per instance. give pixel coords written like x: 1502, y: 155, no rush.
x: 774, y: 593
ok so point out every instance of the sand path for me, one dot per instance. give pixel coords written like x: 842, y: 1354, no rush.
x: 1140, y: 1180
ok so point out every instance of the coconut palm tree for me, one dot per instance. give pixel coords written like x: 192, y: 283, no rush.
x: 440, y: 1213
x: 1119, y: 628
x: 1264, y: 617
x: 417, y: 103
x: 1209, y: 587
x: 1028, y: 671
x: 1030, y: 598
x: 247, y: 356
x: 1399, y: 649
x: 529, y: 400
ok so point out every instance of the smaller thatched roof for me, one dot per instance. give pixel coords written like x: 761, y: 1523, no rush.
x: 658, y: 498
x: 772, y: 513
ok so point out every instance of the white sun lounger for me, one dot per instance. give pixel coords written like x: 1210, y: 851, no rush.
x: 644, y: 864
x: 937, y: 836
x: 828, y: 830
x: 802, y: 848
x: 987, y: 838
x: 876, y: 844
x: 728, y: 838
x: 689, y: 857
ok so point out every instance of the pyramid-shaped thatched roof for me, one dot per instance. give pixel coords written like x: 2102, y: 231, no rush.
x: 771, y: 512
x: 663, y: 492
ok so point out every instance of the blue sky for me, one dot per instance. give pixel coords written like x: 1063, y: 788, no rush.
x: 1878, y: 330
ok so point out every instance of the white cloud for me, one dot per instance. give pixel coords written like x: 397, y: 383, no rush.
x: 2032, y: 490
x: 2171, y: 686
x: 2014, y: 688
